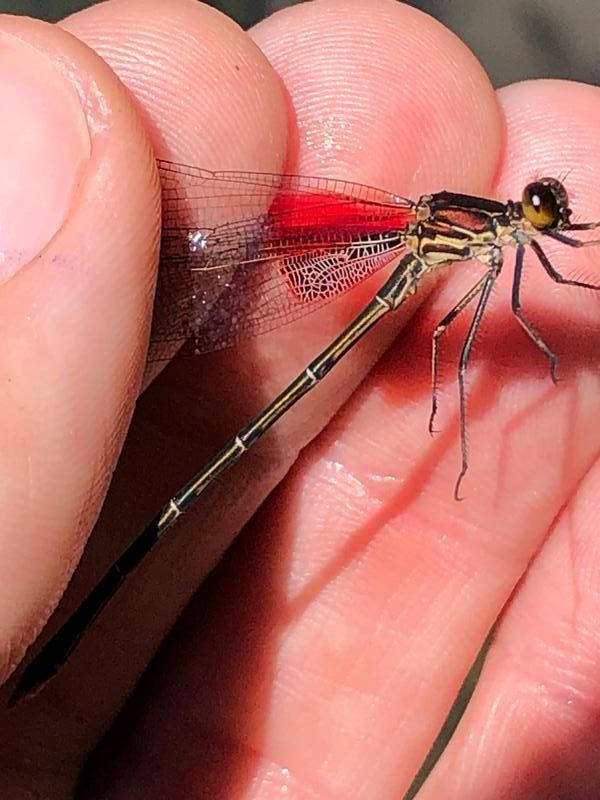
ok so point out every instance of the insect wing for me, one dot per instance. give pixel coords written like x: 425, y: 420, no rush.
x: 243, y: 253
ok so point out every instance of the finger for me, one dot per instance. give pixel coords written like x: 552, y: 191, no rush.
x: 531, y: 726
x: 79, y: 211
x: 182, y: 100
x: 339, y: 58
x: 79, y: 235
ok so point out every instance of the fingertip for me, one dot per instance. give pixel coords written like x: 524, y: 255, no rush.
x: 384, y: 94
x: 207, y: 94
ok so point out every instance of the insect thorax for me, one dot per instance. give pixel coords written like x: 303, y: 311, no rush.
x: 455, y: 227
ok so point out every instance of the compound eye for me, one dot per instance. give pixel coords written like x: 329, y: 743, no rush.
x: 541, y: 205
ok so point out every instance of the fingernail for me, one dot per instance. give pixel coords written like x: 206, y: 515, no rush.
x: 44, y: 145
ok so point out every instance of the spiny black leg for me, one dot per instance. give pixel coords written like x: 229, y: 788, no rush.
x: 583, y: 226
x: 488, y: 283
x: 527, y: 326
x: 440, y: 329
x: 547, y: 265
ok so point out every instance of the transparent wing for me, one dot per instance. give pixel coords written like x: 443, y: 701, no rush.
x: 243, y: 253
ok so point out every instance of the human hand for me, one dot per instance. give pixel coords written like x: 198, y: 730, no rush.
x: 326, y: 650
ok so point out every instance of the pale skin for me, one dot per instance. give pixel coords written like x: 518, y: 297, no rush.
x: 326, y: 651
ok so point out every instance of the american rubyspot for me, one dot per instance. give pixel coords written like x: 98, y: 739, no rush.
x: 243, y: 253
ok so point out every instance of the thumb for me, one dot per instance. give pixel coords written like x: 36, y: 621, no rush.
x: 79, y: 228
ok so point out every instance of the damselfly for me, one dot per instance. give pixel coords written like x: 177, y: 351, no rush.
x: 243, y: 253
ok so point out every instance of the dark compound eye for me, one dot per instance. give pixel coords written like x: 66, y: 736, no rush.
x: 542, y: 204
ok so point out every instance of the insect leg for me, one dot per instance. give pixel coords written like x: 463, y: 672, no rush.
x: 547, y: 264
x: 496, y: 260
x: 527, y: 326
x: 440, y: 329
